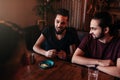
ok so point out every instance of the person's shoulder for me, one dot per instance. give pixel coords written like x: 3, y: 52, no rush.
x: 88, y: 37
x: 71, y: 29
x: 48, y: 28
x: 117, y: 38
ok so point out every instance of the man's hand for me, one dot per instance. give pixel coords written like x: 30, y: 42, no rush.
x: 62, y: 55
x: 51, y: 53
x: 105, y: 62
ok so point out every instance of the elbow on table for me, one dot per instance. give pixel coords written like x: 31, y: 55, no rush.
x: 119, y: 73
x: 73, y: 59
x: 34, y: 48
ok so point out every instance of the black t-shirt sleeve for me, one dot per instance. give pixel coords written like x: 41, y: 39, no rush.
x: 45, y: 31
x: 48, y: 31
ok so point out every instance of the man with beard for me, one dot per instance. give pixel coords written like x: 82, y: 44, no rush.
x: 101, y: 47
x: 60, y: 40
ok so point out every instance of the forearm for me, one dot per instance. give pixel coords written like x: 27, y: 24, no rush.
x: 78, y: 58
x: 39, y: 50
x: 84, y: 61
x: 111, y: 70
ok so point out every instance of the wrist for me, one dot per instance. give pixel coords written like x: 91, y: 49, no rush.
x: 98, y: 62
x: 46, y: 54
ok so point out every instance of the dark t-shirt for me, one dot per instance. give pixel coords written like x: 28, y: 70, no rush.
x: 53, y: 43
x: 98, y: 50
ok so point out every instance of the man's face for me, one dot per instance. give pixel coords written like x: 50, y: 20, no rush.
x: 95, y: 30
x: 61, y: 23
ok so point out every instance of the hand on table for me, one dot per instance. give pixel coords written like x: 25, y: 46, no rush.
x: 105, y: 62
x: 62, y: 55
x: 51, y: 53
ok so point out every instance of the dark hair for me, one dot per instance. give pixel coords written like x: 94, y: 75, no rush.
x: 105, y: 20
x: 63, y: 12
x: 10, y: 35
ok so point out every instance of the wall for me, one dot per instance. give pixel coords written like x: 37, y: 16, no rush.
x: 18, y: 11
x: 78, y: 12
x: 77, y: 9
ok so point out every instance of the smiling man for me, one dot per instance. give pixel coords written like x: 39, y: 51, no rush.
x: 59, y: 39
x: 101, y: 47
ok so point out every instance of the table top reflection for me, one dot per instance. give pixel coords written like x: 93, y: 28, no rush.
x: 61, y: 70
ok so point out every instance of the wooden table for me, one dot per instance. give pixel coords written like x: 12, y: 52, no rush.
x: 61, y: 71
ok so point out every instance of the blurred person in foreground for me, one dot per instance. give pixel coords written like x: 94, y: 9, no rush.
x: 12, y: 48
x: 60, y: 40
x: 101, y: 47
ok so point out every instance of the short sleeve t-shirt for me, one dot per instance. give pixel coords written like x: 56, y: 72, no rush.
x: 53, y: 43
x: 95, y: 49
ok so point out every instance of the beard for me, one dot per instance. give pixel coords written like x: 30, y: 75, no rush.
x: 100, y: 36
x: 60, y: 32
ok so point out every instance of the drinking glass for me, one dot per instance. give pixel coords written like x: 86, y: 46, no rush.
x: 92, y: 73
